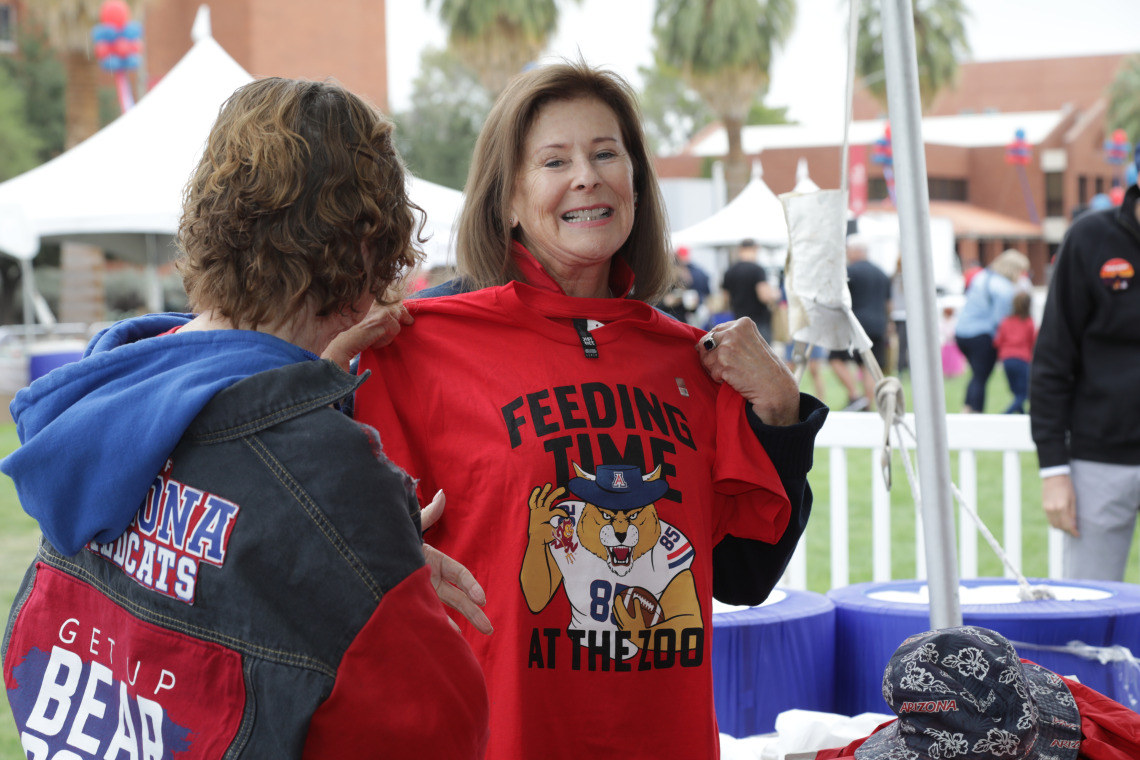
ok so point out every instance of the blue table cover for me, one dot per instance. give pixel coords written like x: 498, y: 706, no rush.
x: 772, y: 658
x: 868, y: 631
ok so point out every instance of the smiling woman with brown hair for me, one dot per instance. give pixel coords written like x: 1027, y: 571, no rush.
x: 608, y: 467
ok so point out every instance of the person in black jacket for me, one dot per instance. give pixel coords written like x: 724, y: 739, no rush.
x: 1083, y: 383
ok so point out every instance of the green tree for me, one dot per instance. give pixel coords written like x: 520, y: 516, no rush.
x: 436, y: 135
x: 498, y: 38
x: 940, y: 39
x: 673, y: 113
x: 1124, y: 99
x: 39, y: 75
x: 723, y: 50
x: 19, y: 144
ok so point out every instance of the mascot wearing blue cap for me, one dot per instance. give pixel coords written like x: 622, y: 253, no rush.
x: 627, y: 574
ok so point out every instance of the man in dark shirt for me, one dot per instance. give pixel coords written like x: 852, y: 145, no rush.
x: 749, y: 292
x: 1082, y: 392
x: 871, y: 302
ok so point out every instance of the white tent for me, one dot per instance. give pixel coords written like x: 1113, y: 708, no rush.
x: 125, y: 182
x: 121, y: 189
x: 442, y: 205
x: 755, y: 213
x: 804, y: 182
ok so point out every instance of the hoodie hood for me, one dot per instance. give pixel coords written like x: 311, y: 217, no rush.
x: 95, y: 433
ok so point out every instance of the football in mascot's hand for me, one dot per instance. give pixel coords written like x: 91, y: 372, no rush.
x: 640, y: 603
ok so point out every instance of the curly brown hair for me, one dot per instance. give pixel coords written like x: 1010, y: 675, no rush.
x: 300, y: 197
x: 484, y: 235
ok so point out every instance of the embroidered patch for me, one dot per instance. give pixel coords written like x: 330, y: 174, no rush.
x: 85, y: 678
x: 177, y: 528
x: 1117, y: 274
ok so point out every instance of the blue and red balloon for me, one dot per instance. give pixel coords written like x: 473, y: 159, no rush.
x: 1018, y: 152
x: 1117, y: 149
x: 118, y: 40
x: 881, y: 152
x: 118, y: 46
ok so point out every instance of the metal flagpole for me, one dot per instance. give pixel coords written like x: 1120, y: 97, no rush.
x: 905, y: 111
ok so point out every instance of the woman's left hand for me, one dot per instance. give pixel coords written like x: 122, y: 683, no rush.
x: 736, y: 353
x: 378, y: 328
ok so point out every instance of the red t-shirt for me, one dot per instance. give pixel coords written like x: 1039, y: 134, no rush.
x: 1015, y: 338
x: 491, y: 396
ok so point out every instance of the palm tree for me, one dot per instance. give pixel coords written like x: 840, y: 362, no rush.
x: 723, y: 49
x: 1124, y: 100
x: 68, y: 25
x: 940, y: 39
x: 497, y: 38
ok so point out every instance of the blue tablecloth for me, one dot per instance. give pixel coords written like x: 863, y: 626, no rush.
x: 868, y: 631
x: 772, y: 658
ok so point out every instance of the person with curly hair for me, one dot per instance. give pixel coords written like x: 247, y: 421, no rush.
x: 231, y: 566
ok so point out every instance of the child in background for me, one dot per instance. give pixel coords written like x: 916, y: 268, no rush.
x: 953, y: 362
x: 1014, y: 343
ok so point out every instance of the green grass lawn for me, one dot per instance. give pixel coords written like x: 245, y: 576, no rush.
x: 18, y: 538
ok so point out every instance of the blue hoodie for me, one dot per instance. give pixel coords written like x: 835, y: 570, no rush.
x: 95, y: 433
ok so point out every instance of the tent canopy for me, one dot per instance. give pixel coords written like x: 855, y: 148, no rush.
x: 126, y: 180
x: 121, y: 189
x: 755, y: 213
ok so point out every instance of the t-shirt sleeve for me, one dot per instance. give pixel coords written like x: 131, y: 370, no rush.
x: 749, y: 499
x: 375, y: 405
x: 408, y: 686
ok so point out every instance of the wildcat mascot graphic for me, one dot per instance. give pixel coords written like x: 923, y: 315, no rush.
x: 622, y: 567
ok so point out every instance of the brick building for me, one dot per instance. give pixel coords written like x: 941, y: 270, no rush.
x: 1060, y: 103
x: 342, y: 39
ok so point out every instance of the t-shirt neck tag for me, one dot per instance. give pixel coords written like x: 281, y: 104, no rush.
x: 589, y: 346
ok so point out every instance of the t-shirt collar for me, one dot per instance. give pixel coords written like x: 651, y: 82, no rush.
x: 533, y: 273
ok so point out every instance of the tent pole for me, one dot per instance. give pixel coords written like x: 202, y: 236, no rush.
x: 154, y: 300
x: 904, y: 108
x: 28, y: 283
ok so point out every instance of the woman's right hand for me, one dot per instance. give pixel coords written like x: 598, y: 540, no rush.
x: 379, y: 327
x: 741, y: 357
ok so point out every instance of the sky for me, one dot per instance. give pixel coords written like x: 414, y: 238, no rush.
x: 809, y: 73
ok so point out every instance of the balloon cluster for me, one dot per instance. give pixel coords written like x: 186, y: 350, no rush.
x: 118, y: 40
x: 881, y: 153
x: 1117, y: 148
x: 1018, y: 152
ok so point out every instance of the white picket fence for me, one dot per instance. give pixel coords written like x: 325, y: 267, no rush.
x: 966, y: 434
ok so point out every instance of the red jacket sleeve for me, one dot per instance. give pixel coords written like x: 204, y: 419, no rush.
x: 408, y: 686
